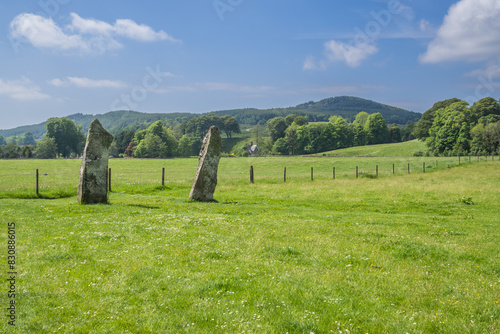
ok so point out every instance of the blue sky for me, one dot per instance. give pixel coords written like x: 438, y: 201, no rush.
x: 59, y: 57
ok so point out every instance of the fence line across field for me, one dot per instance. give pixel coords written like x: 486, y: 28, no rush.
x: 123, y: 176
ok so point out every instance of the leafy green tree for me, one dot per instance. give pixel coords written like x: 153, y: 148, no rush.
x: 27, y: 139
x: 129, y: 151
x: 139, y: 136
x: 158, y: 142
x: 2, y: 141
x: 46, y: 148
x: 28, y: 151
x: 11, y: 151
x: 231, y: 125
x: 450, y: 131
x: 484, y: 107
x: 343, y: 133
x: 123, y: 139
x: 276, y: 128
x: 300, y: 120
x: 199, y: 126
x: 289, y: 119
x: 492, y: 138
x: 361, y: 118
x: 485, y: 120
x: 257, y: 133
x: 329, y: 137
x: 189, y: 146
x: 395, y: 133
x: 485, y: 139
x: 423, y: 126
x: 309, y: 138
x: 376, y: 129
x: 291, y: 139
x: 151, y: 146
x: 67, y: 134
x: 359, y: 137
x: 280, y: 146
x: 407, y: 132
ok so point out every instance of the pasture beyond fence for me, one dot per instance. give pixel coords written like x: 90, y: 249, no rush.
x: 59, y: 178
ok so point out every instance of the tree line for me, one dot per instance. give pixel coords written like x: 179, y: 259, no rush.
x: 450, y: 127
x: 453, y: 127
x: 65, y: 139
x: 292, y: 135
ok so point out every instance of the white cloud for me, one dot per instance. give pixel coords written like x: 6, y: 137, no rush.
x: 425, y: 26
x: 123, y: 27
x: 84, y: 35
x: 470, y: 32
x: 335, y: 51
x: 87, y: 83
x: 22, y: 89
x: 43, y: 33
x: 350, y: 54
x: 492, y: 71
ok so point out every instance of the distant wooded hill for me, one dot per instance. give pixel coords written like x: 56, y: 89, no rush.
x: 345, y: 106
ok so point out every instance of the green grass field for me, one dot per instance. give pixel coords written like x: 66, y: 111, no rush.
x: 387, y: 150
x: 404, y: 253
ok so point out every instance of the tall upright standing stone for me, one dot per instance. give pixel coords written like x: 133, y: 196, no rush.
x: 205, y: 180
x: 92, y: 188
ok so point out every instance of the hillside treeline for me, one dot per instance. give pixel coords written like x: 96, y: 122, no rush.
x: 293, y: 134
x: 346, y: 107
x: 453, y: 127
x: 65, y: 139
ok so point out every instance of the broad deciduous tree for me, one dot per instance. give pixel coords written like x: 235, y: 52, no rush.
x: 67, y: 135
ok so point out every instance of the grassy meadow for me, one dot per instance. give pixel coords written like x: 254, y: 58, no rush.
x: 404, y: 253
x: 401, y: 149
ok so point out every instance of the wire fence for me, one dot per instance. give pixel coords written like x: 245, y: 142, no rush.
x: 41, y: 176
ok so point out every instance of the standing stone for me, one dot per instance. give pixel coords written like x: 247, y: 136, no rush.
x: 92, y: 188
x: 206, y: 175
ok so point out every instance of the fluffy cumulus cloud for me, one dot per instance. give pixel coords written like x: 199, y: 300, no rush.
x: 22, y: 89
x: 87, y: 83
x: 470, y: 32
x: 348, y: 53
x: 83, y: 35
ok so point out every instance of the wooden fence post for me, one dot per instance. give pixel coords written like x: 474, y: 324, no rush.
x: 37, y: 183
x: 393, y: 170
x: 284, y: 175
x: 376, y: 171
x: 109, y: 180
x: 408, y: 168
x: 312, y: 173
x: 251, y: 174
x: 356, y: 171
x: 423, y: 167
x: 469, y: 158
x: 334, y: 173
x: 459, y: 160
x: 163, y: 176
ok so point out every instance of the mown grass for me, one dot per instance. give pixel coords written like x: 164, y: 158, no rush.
x: 383, y: 150
x: 411, y: 253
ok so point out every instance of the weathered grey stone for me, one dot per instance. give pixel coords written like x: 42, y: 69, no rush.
x: 92, y: 188
x: 206, y: 175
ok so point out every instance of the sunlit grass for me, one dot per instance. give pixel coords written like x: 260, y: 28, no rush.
x: 411, y: 253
